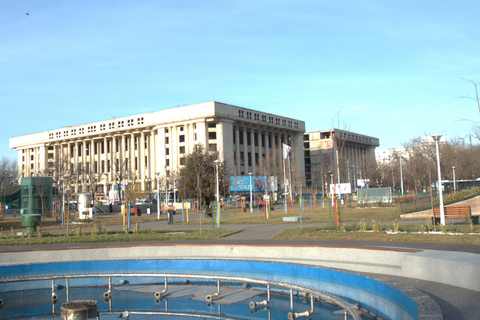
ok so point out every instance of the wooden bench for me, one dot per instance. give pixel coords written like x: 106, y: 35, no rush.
x: 456, y: 212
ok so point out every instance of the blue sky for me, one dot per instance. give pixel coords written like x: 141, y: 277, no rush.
x: 388, y: 69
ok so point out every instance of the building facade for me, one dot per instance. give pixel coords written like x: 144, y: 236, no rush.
x: 337, y: 152
x: 140, y: 147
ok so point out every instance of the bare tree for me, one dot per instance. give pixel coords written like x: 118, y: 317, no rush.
x: 8, y: 173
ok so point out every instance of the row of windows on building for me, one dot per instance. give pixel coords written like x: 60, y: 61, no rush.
x: 271, y: 119
x: 114, y: 125
x: 93, y: 128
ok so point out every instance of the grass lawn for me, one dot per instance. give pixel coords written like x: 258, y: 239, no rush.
x: 95, y: 235
x: 313, y: 233
x: 9, y: 224
x: 315, y: 215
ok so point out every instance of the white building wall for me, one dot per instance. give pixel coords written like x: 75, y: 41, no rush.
x: 149, y: 130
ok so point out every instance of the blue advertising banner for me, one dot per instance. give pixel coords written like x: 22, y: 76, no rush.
x: 259, y: 184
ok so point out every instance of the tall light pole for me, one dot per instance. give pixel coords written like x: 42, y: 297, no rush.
x: 165, y: 184
x: 174, y: 195
x: 436, y: 138
x: 331, y: 184
x: 158, y: 194
x: 251, y: 208
x: 216, y: 179
x: 401, y: 175
x: 454, y: 180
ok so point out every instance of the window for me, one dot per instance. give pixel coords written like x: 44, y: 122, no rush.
x: 167, y: 162
x: 166, y: 140
x: 140, y: 120
x: 182, y: 150
x: 81, y: 131
x: 111, y: 125
x: 167, y: 151
x: 212, y: 147
x: 181, y: 138
x: 120, y: 124
x: 50, y: 135
x: 182, y: 161
x: 212, y: 125
x: 240, y: 113
x: 130, y: 122
x: 102, y: 127
x: 212, y: 135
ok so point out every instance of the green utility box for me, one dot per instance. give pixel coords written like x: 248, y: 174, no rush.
x: 37, y: 199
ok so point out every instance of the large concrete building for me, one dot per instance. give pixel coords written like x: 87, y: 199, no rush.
x: 355, y: 153
x: 144, y: 145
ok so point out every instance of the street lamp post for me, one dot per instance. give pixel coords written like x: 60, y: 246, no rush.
x: 331, y: 184
x: 174, y: 195
x: 401, y: 175
x: 165, y: 184
x: 158, y: 194
x: 454, y: 180
x: 251, y: 208
x: 216, y: 180
x: 436, y: 138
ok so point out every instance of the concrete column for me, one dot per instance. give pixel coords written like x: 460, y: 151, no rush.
x: 160, y: 156
x: 267, y: 153
x: 105, y: 156
x: 151, y: 156
x: 122, y: 155
x: 237, y: 148
x: 297, y: 141
x: 260, y: 151
x: 132, y: 155
x: 274, y: 150
x: 202, y: 134
x: 245, y: 152
x: 113, y: 157
x: 84, y: 160
x: 225, y: 144
x: 173, y: 148
x: 141, y: 160
x: 252, y: 151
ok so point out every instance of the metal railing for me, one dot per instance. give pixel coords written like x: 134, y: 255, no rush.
x: 311, y: 293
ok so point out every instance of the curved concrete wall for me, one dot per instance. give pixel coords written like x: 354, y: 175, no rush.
x: 369, y: 294
x: 451, y: 268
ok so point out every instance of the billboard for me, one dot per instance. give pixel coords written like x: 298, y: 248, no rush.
x: 341, y: 188
x: 259, y: 184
